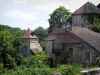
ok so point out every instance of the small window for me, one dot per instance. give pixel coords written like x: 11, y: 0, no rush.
x: 70, y: 52
x: 82, y: 25
x: 87, y: 55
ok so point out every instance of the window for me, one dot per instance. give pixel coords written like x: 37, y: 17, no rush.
x: 82, y: 25
x: 87, y: 55
x: 25, y: 51
x: 85, y: 46
x: 70, y: 52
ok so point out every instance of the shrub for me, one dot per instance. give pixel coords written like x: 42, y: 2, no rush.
x: 11, y: 62
x: 68, y: 70
x: 96, y: 27
x: 1, y: 68
x: 38, y: 60
x: 37, y: 65
x: 43, y: 44
x: 18, y: 59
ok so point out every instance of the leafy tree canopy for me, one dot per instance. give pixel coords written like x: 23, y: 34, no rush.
x: 10, y: 45
x: 59, y: 18
x: 41, y: 33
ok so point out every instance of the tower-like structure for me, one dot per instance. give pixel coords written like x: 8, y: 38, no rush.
x: 80, y: 16
x: 31, y: 43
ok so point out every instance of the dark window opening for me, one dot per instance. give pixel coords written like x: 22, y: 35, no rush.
x: 70, y: 52
x: 82, y: 25
x: 25, y: 51
x: 87, y: 55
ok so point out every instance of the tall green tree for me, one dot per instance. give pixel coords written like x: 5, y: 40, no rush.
x: 17, y: 44
x: 10, y: 45
x: 6, y: 46
x: 59, y: 18
x: 41, y: 33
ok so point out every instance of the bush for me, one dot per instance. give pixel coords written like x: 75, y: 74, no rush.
x: 38, y: 60
x: 69, y: 70
x: 10, y: 62
x: 96, y: 27
x: 63, y: 70
x: 43, y: 44
x: 18, y: 59
x: 37, y: 65
x: 1, y: 68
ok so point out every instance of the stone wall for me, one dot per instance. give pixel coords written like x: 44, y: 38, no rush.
x: 49, y: 48
x: 76, y: 58
x: 78, y: 21
x: 93, y: 55
x: 79, y: 54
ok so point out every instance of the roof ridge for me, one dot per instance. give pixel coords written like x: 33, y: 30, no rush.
x: 92, y: 9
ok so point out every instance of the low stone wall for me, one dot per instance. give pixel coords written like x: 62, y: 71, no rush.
x: 95, y: 71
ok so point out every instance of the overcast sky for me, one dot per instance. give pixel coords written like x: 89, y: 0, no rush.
x: 34, y: 13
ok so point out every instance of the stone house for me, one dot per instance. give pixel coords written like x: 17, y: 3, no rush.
x: 75, y: 45
x: 31, y: 44
x: 80, y: 16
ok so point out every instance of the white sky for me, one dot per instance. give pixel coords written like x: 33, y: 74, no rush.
x: 34, y: 13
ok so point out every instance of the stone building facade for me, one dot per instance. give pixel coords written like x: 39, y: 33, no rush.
x: 80, y: 16
x: 76, y: 44
x: 75, y: 47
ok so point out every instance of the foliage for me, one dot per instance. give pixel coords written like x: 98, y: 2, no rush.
x: 39, y: 60
x: 98, y: 59
x: 1, y: 68
x: 96, y: 27
x: 33, y: 66
x: 10, y: 45
x: 69, y: 70
x: 92, y: 18
x: 65, y: 70
x: 59, y: 18
x: 43, y: 44
x: 40, y: 32
x: 10, y: 62
x: 6, y: 47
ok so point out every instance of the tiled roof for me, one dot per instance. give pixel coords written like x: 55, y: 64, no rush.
x: 92, y: 38
x: 75, y: 36
x: 55, y: 32
x: 28, y: 34
x: 70, y: 38
x: 64, y: 36
x: 87, y: 8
